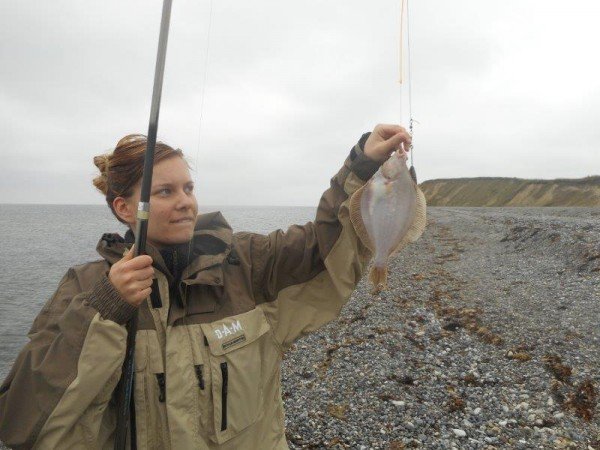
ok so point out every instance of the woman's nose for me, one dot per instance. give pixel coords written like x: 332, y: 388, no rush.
x: 185, y: 200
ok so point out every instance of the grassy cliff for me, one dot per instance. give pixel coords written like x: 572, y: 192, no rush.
x: 512, y: 192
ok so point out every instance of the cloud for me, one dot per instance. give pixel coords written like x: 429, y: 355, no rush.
x: 499, y: 89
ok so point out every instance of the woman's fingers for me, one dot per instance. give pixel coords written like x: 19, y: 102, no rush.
x: 137, y: 263
x: 137, y: 286
x: 143, y: 274
x: 140, y: 296
x: 385, y: 139
x: 137, y: 292
x: 385, y: 148
x: 400, y: 138
x: 386, y: 131
x: 132, y: 277
x: 142, y: 284
x: 130, y: 254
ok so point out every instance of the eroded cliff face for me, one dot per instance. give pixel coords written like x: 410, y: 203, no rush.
x: 512, y: 192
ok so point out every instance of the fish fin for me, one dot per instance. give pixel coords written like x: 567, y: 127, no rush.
x: 378, y: 277
x: 420, y: 221
x: 413, y: 173
x: 356, y: 218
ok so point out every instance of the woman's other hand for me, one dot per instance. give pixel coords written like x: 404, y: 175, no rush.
x: 132, y: 277
x: 384, y: 140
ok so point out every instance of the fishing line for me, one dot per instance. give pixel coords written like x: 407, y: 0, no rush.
x: 401, y: 57
x: 411, y: 121
x: 203, y: 89
x: 202, y: 92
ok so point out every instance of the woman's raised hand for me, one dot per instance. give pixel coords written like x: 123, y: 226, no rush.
x: 132, y: 277
x: 384, y: 140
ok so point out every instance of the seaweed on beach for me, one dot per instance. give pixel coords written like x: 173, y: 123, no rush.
x: 338, y: 411
x: 396, y: 445
x: 590, y: 259
x: 456, y: 403
x: 555, y: 366
x: 583, y: 400
x: 518, y: 355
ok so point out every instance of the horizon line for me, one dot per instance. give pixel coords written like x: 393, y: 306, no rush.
x: 204, y: 206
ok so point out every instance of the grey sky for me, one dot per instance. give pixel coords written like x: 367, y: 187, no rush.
x: 499, y: 89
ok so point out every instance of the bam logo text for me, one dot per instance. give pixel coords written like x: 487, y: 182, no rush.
x: 225, y: 330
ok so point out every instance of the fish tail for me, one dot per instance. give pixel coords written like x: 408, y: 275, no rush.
x: 378, y: 277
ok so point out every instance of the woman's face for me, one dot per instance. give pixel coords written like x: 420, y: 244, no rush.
x: 173, y: 205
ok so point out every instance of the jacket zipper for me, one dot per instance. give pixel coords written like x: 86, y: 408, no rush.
x: 200, y: 375
x: 224, y: 376
x: 160, y: 377
x: 155, y: 295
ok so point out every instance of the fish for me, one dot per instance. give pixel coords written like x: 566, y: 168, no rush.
x: 388, y: 212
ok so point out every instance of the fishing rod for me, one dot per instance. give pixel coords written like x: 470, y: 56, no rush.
x: 125, y: 403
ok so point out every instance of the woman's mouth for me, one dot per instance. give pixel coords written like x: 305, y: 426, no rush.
x: 184, y: 220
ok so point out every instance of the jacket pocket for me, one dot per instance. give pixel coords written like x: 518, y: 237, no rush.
x: 150, y: 407
x: 236, y: 359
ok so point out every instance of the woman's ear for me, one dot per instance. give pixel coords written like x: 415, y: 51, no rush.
x: 125, y: 210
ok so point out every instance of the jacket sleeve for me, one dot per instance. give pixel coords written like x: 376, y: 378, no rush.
x: 71, y: 363
x: 304, y: 276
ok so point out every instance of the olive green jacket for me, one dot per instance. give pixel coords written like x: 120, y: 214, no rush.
x: 207, y: 368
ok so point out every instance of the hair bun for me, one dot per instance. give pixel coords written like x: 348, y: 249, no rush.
x: 102, y: 162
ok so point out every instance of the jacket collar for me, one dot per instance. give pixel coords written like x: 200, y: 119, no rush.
x: 211, y: 244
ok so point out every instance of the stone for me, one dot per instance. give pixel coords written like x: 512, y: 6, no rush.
x: 459, y: 433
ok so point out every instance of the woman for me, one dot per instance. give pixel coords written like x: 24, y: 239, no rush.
x: 207, y: 362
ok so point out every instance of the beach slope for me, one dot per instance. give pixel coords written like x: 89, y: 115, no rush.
x: 488, y: 337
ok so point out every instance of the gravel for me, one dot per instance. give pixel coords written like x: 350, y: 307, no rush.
x: 487, y: 337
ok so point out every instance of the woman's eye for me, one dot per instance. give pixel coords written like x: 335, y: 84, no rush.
x: 164, y: 191
x: 189, y: 188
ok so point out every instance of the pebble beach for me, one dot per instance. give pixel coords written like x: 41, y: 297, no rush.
x: 487, y: 337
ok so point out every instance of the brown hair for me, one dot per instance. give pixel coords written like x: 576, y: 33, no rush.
x: 121, y: 169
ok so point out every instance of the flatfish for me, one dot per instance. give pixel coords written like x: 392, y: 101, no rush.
x: 388, y: 213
